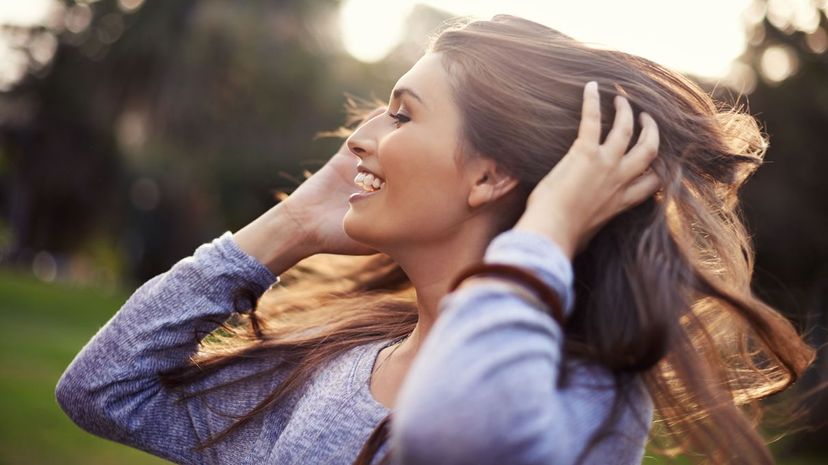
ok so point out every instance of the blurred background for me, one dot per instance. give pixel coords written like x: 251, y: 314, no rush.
x: 131, y: 132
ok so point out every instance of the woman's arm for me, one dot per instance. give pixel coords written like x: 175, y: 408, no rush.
x: 112, y: 388
x: 483, y: 389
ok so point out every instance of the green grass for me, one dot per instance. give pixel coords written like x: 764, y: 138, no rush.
x: 45, y: 326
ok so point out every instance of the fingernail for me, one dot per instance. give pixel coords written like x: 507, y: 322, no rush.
x: 592, y: 86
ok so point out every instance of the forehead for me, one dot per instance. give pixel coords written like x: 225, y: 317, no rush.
x: 428, y: 79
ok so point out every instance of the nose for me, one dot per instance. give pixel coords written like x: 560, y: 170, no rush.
x: 362, y: 142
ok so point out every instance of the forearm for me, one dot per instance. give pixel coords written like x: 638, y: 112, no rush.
x: 275, y: 239
x: 112, y: 388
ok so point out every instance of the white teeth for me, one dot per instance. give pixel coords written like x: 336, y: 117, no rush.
x: 368, y: 181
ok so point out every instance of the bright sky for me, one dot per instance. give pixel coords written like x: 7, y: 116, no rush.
x: 701, y: 37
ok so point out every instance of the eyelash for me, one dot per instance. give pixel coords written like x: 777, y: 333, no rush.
x: 397, y: 116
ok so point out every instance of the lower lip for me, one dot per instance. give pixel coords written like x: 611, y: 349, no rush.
x: 362, y: 195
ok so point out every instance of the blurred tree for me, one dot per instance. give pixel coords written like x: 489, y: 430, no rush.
x: 63, y: 177
x: 160, y: 125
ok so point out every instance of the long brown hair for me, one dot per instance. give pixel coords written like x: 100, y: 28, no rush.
x: 662, y: 291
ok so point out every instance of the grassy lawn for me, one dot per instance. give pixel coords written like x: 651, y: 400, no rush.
x: 46, y: 325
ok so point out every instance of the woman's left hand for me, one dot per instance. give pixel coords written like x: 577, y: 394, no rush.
x: 594, y: 182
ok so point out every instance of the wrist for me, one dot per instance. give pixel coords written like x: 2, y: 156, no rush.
x: 275, y: 239
x: 557, y: 232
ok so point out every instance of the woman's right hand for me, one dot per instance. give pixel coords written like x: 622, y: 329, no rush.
x: 309, y: 220
x: 613, y: 178
x: 321, y: 201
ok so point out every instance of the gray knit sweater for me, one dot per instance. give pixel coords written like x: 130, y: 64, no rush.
x: 482, y: 389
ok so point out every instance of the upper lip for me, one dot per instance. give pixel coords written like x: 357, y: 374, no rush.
x: 363, y: 169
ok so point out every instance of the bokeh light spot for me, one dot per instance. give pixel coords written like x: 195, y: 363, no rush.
x: 817, y: 41
x: 44, y: 266
x: 128, y: 6
x: 778, y: 62
x: 78, y: 18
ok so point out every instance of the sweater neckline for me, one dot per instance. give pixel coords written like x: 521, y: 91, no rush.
x: 362, y: 380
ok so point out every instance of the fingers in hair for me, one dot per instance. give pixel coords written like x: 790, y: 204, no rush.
x: 645, y: 150
x: 641, y: 188
x: 589, y: 131
x: 619, y: 136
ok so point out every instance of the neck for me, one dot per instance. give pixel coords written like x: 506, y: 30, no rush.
x: 431, y: 266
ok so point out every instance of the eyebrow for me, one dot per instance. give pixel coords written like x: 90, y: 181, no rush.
x: 405, y: 90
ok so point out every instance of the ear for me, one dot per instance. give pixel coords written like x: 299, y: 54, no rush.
x: 489, y: 183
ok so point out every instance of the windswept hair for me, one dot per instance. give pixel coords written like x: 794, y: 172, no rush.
x: 662, y: 291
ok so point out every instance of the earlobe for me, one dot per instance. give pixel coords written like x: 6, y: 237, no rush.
x: 480, y: 194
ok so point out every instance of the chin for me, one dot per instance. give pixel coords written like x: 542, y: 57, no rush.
x: 363, y: 233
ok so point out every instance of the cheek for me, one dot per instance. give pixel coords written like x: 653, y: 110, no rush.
x: 418, y: 174
x: 423, y: 202
x: 423, y: 197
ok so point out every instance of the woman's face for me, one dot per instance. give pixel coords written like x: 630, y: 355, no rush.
x: 411, y: 147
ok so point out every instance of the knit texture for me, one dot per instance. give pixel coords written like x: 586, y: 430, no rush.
x: 482, y: 389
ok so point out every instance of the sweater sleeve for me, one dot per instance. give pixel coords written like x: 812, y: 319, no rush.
x: 112, y: 389
x: 483, y: 390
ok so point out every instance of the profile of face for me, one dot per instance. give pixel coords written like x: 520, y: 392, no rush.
x: 412, y: 146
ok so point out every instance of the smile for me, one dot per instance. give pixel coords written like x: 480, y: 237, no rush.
x: 369, y: 182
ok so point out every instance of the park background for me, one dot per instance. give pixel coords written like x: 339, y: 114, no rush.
x: 131, y: 132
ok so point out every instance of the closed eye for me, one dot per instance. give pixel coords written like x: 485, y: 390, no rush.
x: 400, y: 117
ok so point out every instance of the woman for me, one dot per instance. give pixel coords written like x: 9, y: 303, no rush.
x: 491, y: 150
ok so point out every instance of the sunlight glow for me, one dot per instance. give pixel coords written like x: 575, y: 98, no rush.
x: 25, y: 13
x: 370, y: 29
x: 13, y: 61
x: 700, y: 37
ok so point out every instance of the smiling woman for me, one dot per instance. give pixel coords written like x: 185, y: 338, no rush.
x: 411, y: 147
x: 598, y: 192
